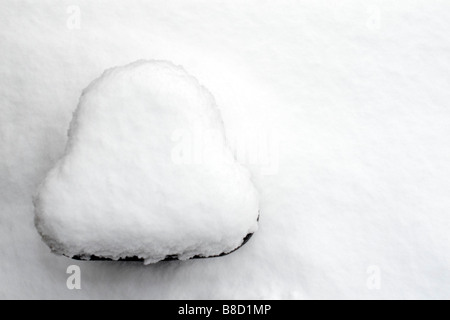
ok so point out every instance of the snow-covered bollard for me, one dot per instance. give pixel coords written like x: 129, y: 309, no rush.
x: 118, y: 193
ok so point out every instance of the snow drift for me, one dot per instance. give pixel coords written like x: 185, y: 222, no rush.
x: 120, y: 190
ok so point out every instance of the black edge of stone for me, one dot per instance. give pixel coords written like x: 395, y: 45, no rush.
x: 168, y: 258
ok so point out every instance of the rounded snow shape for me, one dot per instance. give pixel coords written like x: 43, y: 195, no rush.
x: 135, y: 183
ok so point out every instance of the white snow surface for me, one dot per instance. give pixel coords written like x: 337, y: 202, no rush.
x: 355, y: 92
x: 120, y: 190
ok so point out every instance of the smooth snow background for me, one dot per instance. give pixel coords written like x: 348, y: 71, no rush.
x: 357, y: 94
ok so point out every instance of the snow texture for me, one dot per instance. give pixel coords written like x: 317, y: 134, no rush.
x: 120, y: 192
x: 355, y: 92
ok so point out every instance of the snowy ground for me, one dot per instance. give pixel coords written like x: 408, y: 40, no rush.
x: 353, y: 98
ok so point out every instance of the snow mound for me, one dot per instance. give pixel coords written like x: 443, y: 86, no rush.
x: 121, y: 190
